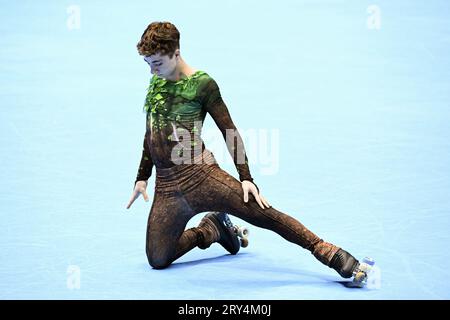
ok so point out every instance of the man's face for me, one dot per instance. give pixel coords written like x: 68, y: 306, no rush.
x: 161, y: 64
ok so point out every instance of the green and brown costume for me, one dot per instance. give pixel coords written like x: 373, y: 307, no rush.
x: 189, y: 180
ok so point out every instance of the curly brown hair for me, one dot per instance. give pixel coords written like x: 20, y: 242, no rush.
x: 159, y: 37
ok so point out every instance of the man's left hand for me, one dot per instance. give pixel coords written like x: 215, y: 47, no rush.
x: 249, y: 186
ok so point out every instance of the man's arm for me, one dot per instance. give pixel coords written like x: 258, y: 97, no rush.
x: 146, y: 164
x: 213, y: 103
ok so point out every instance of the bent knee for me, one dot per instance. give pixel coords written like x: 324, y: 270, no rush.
x: 158, y: 262
x: 159, y: 266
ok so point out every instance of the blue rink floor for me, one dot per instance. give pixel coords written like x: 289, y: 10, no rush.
x: 357, y: 91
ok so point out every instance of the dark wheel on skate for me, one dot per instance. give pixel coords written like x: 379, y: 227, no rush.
x: 244, y: 242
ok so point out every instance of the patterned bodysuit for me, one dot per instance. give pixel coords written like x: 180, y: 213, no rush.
x: 189, y: 180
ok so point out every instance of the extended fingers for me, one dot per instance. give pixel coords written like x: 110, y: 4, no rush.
x: 258, y: 199
x: 133, y: 197
x: 130, y: 202
x: 245, y: 194
x: 144, y: 193
x: 259, y: 202
x: 265, y: 201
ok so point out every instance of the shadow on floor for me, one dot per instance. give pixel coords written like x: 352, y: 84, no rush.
x: 244, y: 263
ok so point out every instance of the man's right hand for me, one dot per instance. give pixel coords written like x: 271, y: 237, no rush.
x: 139, y: 188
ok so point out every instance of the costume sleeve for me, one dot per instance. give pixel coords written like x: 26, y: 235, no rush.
x: 213, y: 104
x: 146, y: 164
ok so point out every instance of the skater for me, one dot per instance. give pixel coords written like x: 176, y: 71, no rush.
x: 188, y: 179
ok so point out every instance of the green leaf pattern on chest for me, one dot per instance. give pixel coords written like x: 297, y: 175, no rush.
x: 158, y: 93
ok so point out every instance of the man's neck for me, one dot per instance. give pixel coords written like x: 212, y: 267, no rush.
x: 181, y: 72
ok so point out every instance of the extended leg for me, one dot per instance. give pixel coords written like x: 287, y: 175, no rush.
x: 222, y: 192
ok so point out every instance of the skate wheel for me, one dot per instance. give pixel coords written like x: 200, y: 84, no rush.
x: 244, y: 242
x: 359, y: 277
x: 242, y: 232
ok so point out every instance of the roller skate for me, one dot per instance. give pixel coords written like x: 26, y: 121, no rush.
x: 363, y: 272
x: 348, y: 267
x: 231, y: 237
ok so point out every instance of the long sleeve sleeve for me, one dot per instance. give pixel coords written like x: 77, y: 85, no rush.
x: 213, y: 103
x: 146, y: 164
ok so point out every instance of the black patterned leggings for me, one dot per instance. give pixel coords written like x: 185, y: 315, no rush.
x: 185, y: 190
